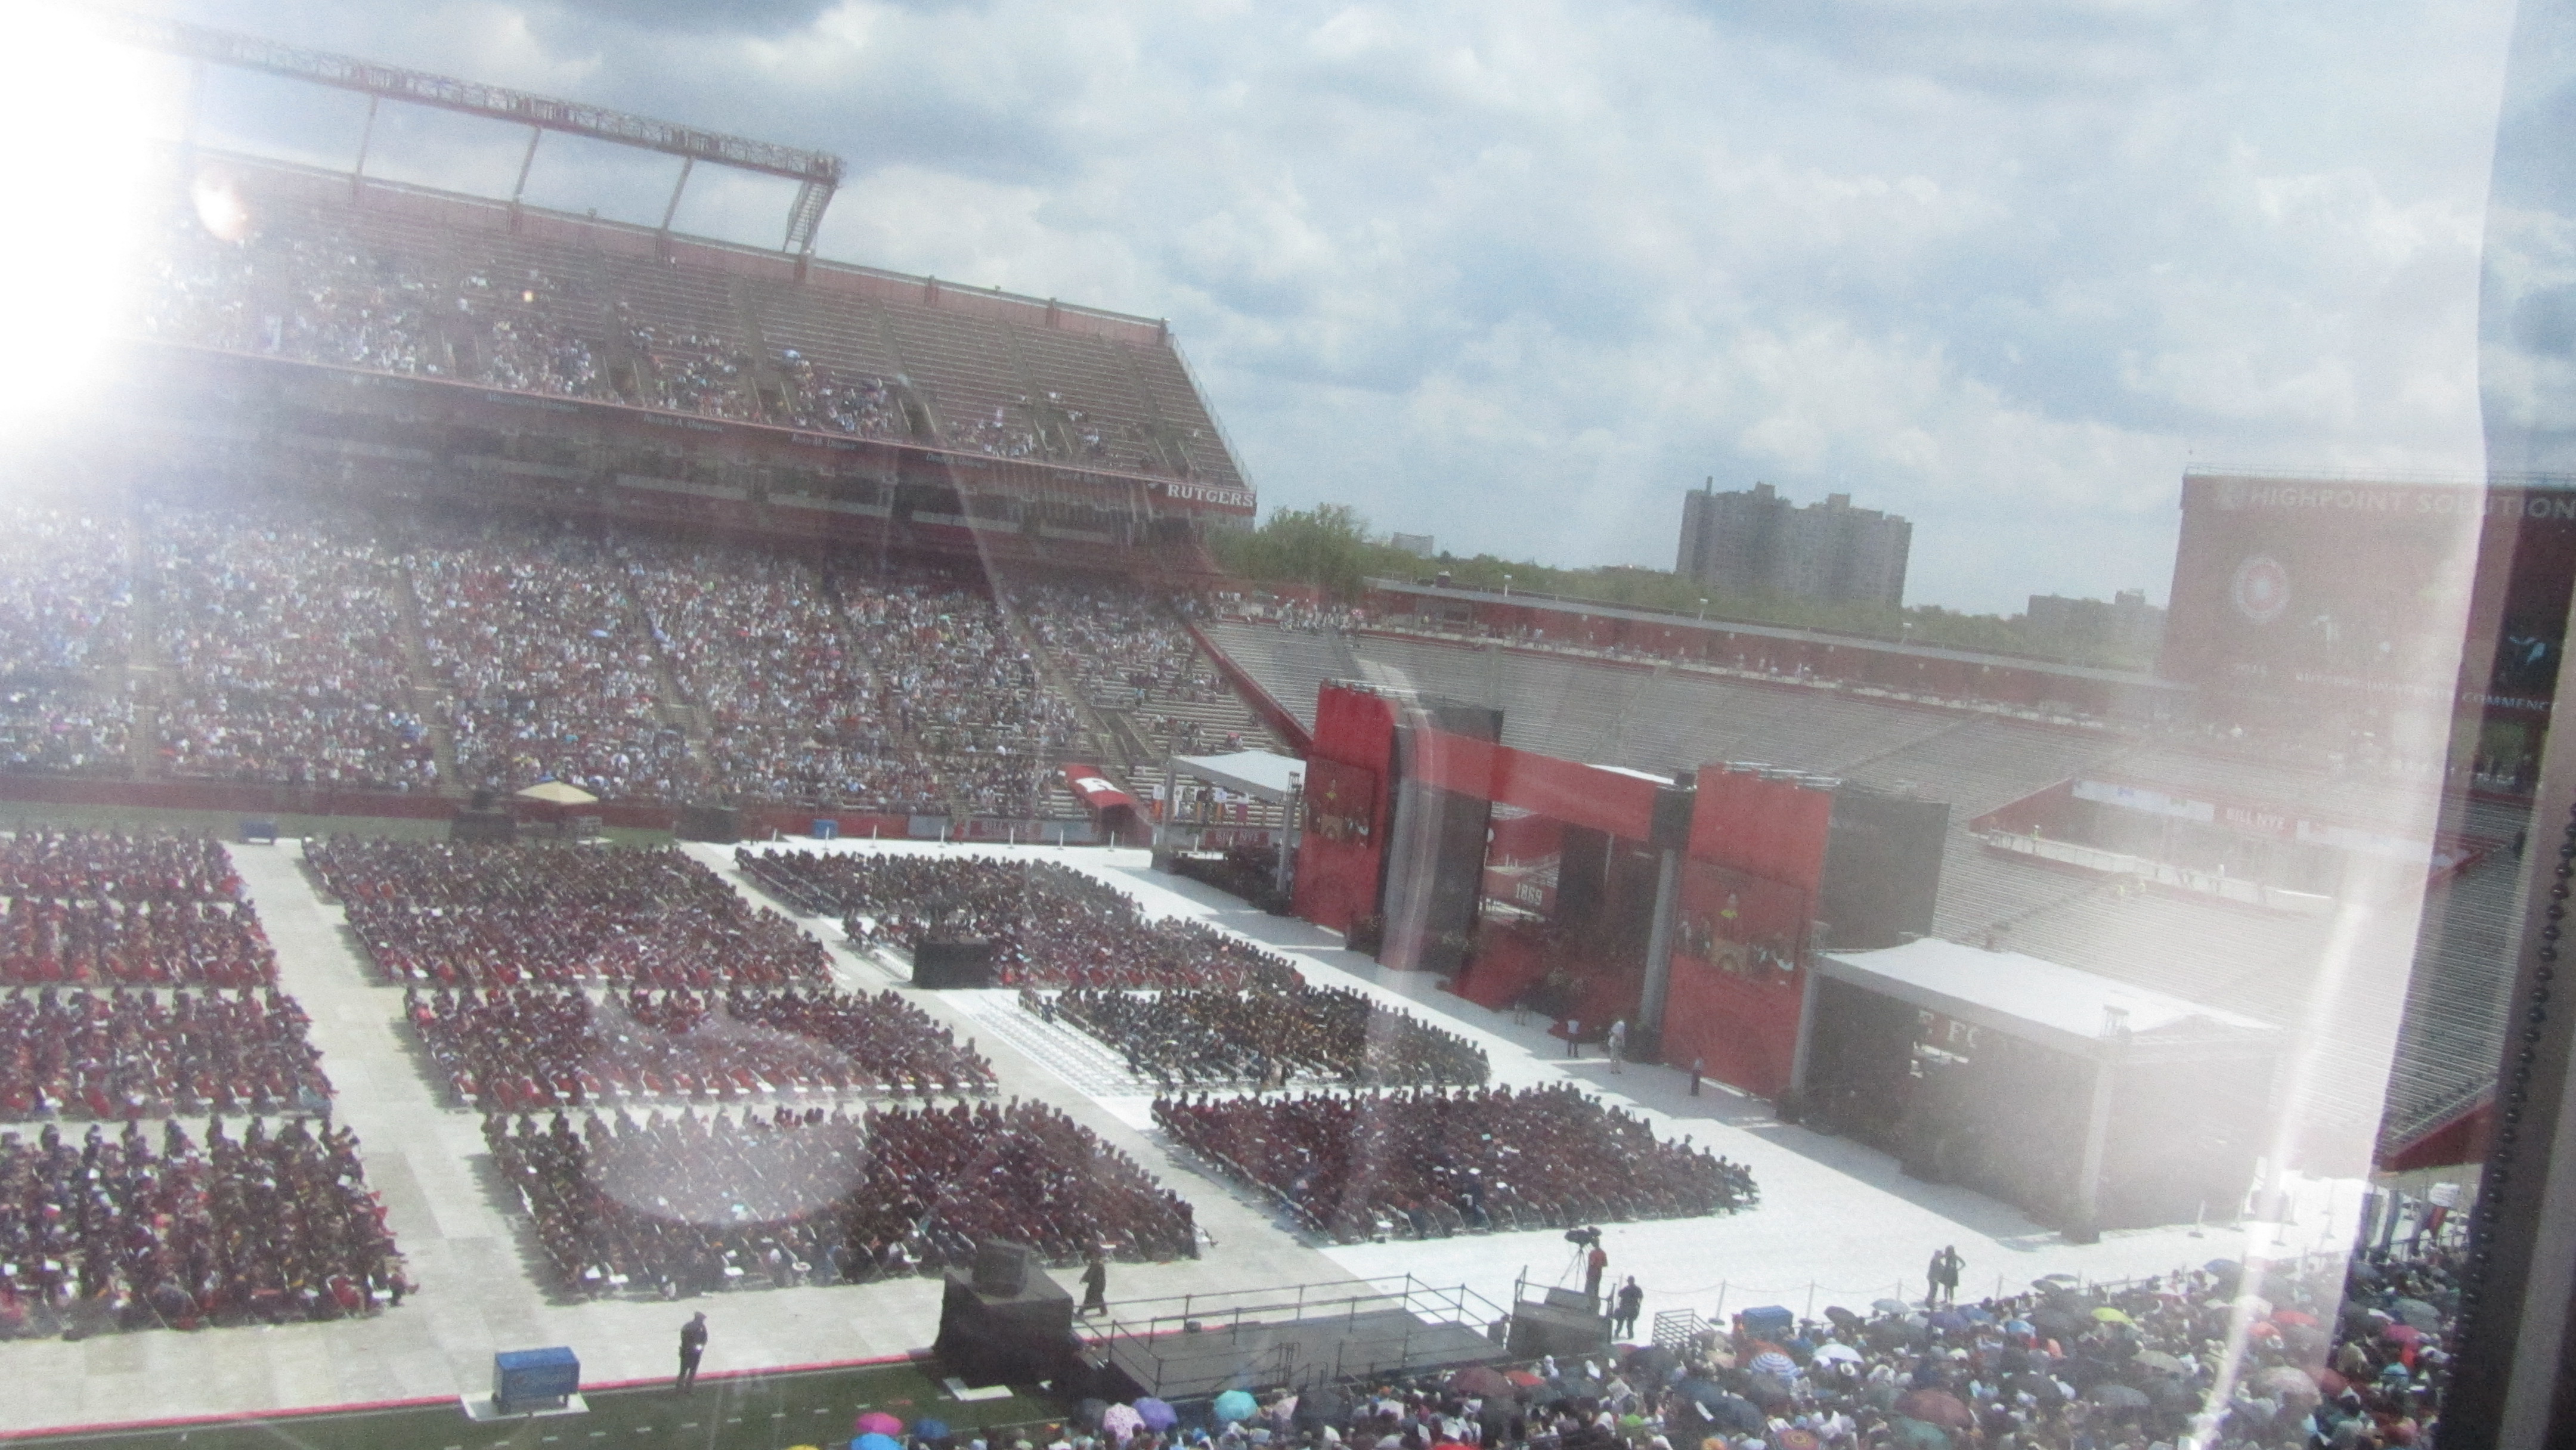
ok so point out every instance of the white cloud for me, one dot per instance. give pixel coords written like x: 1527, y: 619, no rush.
x: 1518, y: 272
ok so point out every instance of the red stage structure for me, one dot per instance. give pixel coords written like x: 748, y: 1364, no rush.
x: 1686, y: 908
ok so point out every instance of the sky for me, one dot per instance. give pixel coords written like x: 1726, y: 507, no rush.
x: 1518, y: 273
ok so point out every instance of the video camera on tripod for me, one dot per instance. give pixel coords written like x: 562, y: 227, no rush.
x: 1584, y: 1238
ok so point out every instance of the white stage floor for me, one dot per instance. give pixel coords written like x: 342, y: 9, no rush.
x: 1837, y: 1220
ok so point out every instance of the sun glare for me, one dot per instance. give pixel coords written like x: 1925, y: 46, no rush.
x: 70, y: 205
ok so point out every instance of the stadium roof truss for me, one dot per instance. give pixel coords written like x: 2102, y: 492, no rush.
x: 817, y: 173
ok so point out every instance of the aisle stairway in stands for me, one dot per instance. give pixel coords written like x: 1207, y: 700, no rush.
x: 429, y: 698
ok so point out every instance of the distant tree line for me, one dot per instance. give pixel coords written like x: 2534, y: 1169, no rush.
x: 1331, y: 548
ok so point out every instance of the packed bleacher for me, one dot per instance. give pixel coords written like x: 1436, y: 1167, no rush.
x: 392, y: 292
x: 102, y: 908
x: 108, y: 1233
x: 521, y: 1049
x: 454, y: 915
x: 285, y: 664
x: 551, y: 666
x: 66, y: 632
x: 956, y: 684
x: 672, y: 1205
x: 1361, y: 1166
x: 127, y: 1054
x: 1266, y: 1037
x: 1050, y: 925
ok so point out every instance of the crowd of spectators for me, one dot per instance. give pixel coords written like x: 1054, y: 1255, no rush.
x: 128, y: 1054
x: 955, y: 683
x: 519, y: 1049
x: 1268, y: 1037
x: 285, y: 663
x: 2333, y: 1359
x: 686, y: 1205
x: 113, y: 1233
x: 1050, y: 925
x: 1425, y: 1162
x: 792, y: 709
x: 553, y: 669
x: 125, y: 910
x: 463, y: 915
x: 822, y: 398
x: 66, y: 630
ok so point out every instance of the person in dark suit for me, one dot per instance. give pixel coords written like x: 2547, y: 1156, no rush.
x: 693, y: 1347
x: 1095, y: 1285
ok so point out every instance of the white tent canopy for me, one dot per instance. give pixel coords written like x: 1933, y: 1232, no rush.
x: 1256, y: 773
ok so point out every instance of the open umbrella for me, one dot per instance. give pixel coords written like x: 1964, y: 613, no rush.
x: 2053, y: 1321
x: 938, y: 1429
x: 1948, y: 1321
x: 1890, y: 1306
x: 1479, y: 1381
x: 2118, y: 1397
x: 2419, y: 1313
x: 2289, y: 1382
x: 1120, y: 1421
x: 1796, y: 1438
x: 2401, y: 1334
x: 2224, y: 1266
x: 2021, y: 1327
x: 1233, y: 1405
x: 1157, y: 1415
x: 2161, y: 1362
x: 1737, y: 1413
x: 1703, y: 1393
x: 1837, y: 1353
x: 2108, y: 1315
x: 1914, y: 1434
x: 1938, y: 1407
x: 876, y: 1442
x: 877, y: 1422
x: 1773, y: 1362
x: 1767, y: 1389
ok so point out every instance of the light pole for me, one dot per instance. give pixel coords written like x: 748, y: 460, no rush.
x: 1507, y: 586
x: 1703, y: 611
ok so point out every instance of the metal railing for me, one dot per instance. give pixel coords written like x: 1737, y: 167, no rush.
x: 1150, y: 1331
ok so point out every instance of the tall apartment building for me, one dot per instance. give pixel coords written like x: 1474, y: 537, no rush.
x: 1753, y: 541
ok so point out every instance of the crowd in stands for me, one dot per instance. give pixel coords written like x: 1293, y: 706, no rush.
x: 100, y: 908
x: 1267, y: 1037
x: 686, y: 1205
x: 79, y: 1054
x: 113, y: 1233
x: 284, y: 657
x: 821, y: 398
x: 1426, y: 1162
x: 461, y: 915
x: 1050, y: 925
x: 523, y: 1048
x: 286, y: 637
x: 552, y: 667
x: 957, y: 684
x: 66, y: 630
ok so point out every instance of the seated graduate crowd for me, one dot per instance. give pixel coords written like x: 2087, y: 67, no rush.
x: 1425, y: 1162
x: 1050, y: 925
x: 688, y: 1204
x: 66, y: 634
x: 1267, y: 1036
x: 462, y: 915
x: 139, y: 911
x: 518, y: 1049
x: 130, y: 1054
x: 111, y: 1233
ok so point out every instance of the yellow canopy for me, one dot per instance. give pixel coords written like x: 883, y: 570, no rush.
x: 555, y: 792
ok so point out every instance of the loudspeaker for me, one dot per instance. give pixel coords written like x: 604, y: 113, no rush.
x: 1002, y: 1267
x: 951, y: 964
x: 720, y: 824
x: 1018, y: 1339
x: 482, y: 826
x: 1539, y: 1329
x: 1671, y: 824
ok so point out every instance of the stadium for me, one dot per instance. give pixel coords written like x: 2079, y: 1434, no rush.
x: 556, y: 767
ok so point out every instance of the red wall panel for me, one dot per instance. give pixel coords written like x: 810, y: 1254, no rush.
x: 1337, y: 872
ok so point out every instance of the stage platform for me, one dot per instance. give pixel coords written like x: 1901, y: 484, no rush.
x: 1293, y: 1337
